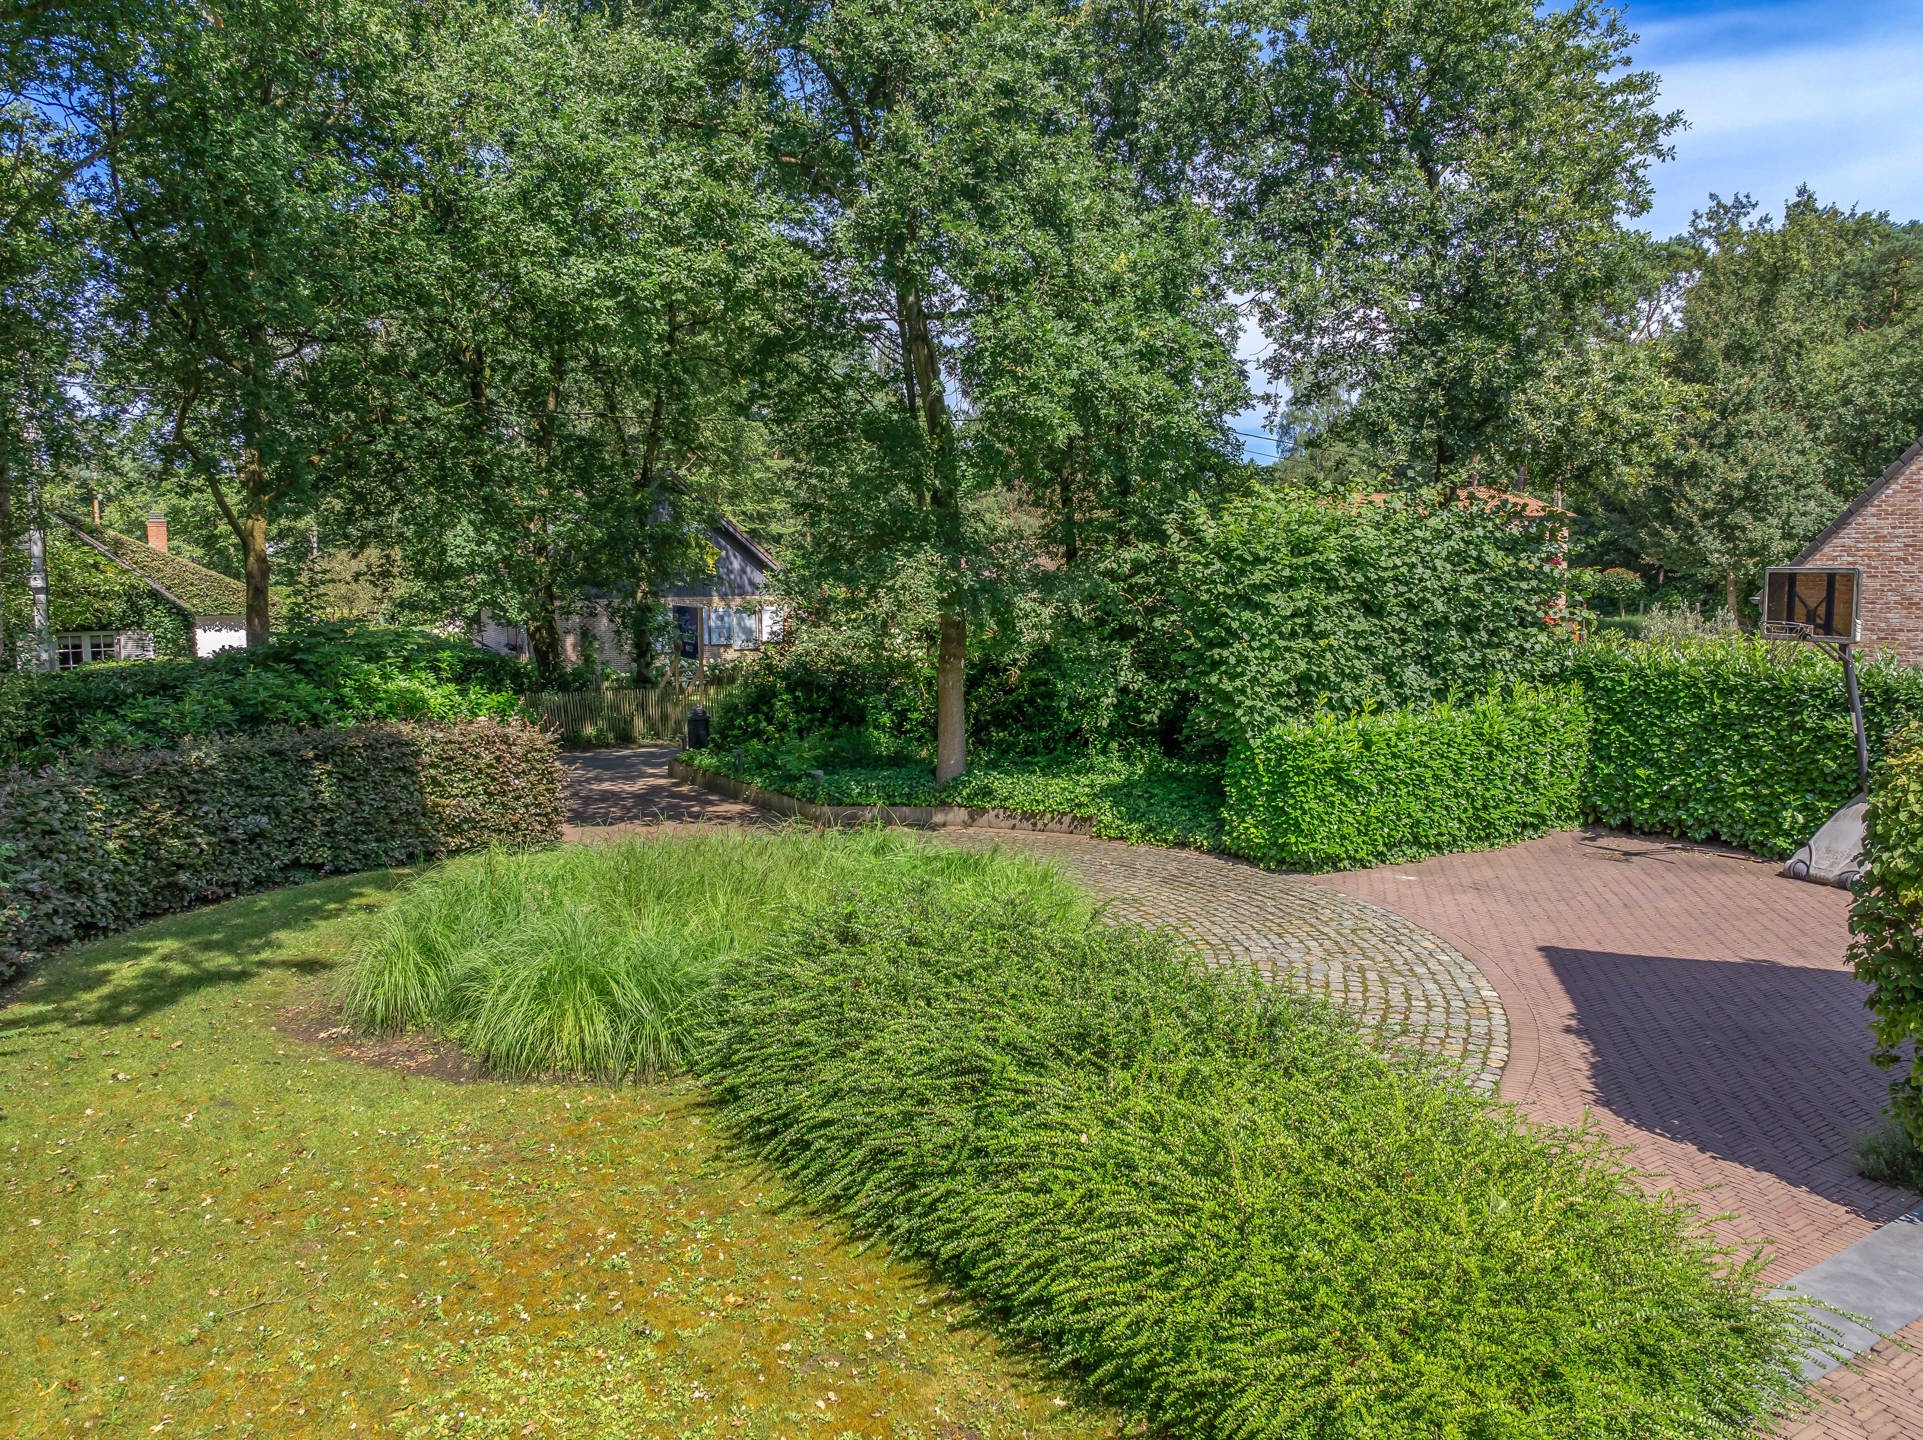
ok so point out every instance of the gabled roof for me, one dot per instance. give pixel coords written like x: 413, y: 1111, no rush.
x: 741, y: 537
x: 193, y: 588
x: 1861, y: 503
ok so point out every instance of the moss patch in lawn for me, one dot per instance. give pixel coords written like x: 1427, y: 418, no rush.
x: 209, y: 1225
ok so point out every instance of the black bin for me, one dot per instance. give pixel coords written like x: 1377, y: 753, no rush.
x: 698, y: 728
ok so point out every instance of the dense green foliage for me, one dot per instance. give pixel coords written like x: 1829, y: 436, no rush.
x: 1296, y: 603
x: 326, y: 675
x: 96, y: 842
x: 1730, y: 738
x: 1886, y: 928
x: 1330, y: 793
x: 1137, y: 796
x: 1213, y: 1201
x: 600, y: 959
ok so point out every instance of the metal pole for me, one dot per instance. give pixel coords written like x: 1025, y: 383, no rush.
x: 1856, y: 714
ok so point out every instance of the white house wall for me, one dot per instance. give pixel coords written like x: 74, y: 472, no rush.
x: 214, y: 633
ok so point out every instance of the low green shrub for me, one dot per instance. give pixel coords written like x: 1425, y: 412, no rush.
x: 1727, y: 737
x: 598, y: 959
x: 321, y: 675
x: 1213, y: 1201
x: 1139, y: 796
x: 95, y: 842
x: 1886, y: 926
x: 1330, y: 793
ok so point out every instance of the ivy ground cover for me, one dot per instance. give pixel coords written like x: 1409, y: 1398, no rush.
x: 1137, y: 796
x: 209, y: 1226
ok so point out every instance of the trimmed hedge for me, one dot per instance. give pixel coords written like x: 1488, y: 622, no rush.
x: 1213, y: 1202
x: 96, y: 842
x: 1886, y: 926
x: 321, y: 675
x: 1330, y: 793
x: 1732, y: 738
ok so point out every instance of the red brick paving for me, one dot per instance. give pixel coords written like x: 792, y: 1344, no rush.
x: 1693, y: 1002
x: 1879, y: 1397
x: 1697, y: 1006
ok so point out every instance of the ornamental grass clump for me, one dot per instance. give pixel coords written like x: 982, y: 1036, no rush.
x: 1213, y: 1201
x: 597, y: 960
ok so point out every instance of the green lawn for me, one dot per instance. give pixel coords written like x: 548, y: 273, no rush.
x: 212, y: 1227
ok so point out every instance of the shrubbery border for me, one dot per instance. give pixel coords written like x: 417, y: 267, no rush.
x: 96, y: 842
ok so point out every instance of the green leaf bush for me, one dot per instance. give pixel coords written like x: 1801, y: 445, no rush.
x: 1296, y: 603
x: 1886, y: 926
x: 1330, y: 793
x: 321, y: 675
x: 1213, y: 1202
x: 97, y: 841
x: 1732, y: 737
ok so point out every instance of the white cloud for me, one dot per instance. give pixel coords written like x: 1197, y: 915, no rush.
x: 1787, y: 96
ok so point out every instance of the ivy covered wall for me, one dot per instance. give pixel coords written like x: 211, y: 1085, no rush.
x: 87, y: 591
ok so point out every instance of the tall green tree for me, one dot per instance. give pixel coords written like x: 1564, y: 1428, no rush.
x: 231, y: 156
x: 1429, y: 197
x: 1800, y: 343
x: 578, y: 273
x: 1010, y: 342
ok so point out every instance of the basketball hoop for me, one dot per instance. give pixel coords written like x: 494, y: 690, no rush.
x: 1821, y: 605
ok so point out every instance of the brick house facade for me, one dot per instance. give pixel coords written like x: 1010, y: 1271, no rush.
x: 1881, y: 531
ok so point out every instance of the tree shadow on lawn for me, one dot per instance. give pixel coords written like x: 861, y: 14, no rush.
x: 120, y: 979
x: 1760, y: 1064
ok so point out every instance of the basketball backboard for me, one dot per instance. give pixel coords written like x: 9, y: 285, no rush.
x: 1804, y: 602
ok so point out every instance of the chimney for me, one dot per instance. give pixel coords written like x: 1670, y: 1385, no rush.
x: 157, y: 531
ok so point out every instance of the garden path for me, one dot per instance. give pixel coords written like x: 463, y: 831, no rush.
x: 1688, y: 1000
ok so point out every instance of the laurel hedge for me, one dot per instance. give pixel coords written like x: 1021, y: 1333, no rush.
x: 96, y: 841
x: 1886, y: 925
x: 1332, y: 792
x: 1212, y: 1201
x: 1732, y: 738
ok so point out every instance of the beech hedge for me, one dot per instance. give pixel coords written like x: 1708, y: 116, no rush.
x: 94, y: 842
x: 1328, y: 793
x: 1732, y: 738
x: 1886, y: 925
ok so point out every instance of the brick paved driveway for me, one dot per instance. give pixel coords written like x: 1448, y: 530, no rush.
x: 1697, y: 1006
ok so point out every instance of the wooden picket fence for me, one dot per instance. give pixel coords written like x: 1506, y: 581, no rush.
x: 617, y: 714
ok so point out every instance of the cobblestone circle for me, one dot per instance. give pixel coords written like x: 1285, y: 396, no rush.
x: 1403, y: 982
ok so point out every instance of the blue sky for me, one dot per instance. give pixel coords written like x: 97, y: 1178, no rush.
x: 1776, y: 93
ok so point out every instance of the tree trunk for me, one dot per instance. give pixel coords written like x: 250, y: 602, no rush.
x: 253, y: 547
x: 544, y: 632
x: 1731, y: 598
x: 924, y: 375
x: 951, y: 736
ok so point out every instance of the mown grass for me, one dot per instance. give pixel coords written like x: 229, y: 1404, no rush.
x: 1215, y: 1202
x: 209, y: 1228
x: 598, y: 960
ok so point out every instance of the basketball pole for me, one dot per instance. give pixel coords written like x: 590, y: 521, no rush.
x: 1856, y: 714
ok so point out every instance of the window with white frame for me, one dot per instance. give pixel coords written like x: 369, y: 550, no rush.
x: 83, y: 647
x: 720, y: 631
